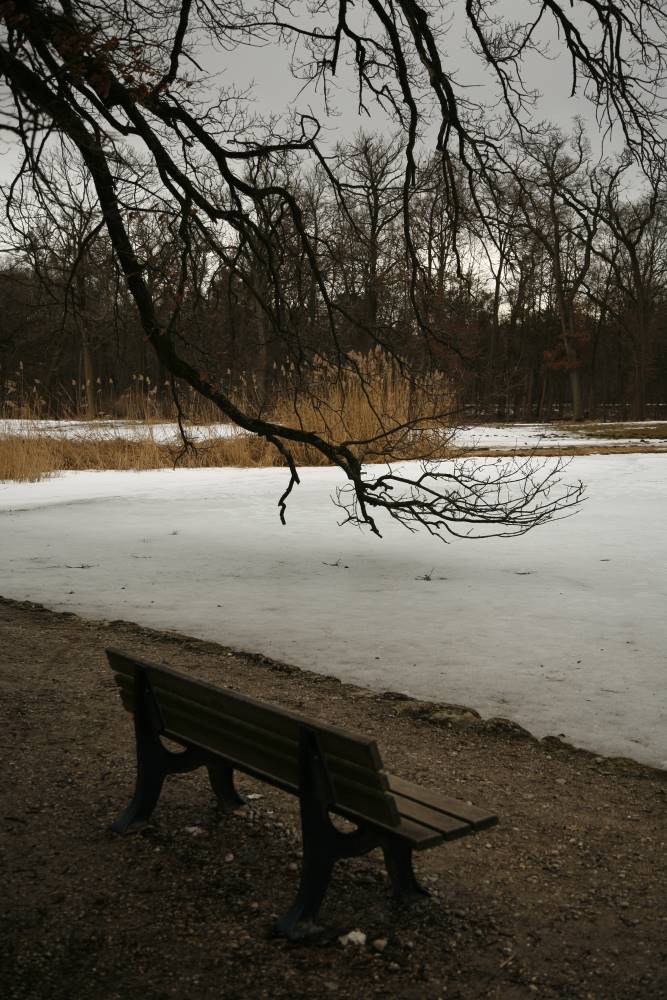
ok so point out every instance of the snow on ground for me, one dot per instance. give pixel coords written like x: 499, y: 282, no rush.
x: 520, y: 437
x: 563, y: 630
x: 523, y: 437
x: 127, y: 430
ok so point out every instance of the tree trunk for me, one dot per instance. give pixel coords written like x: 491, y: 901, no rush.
x: 86, y: 353
x: 88, y: 375
x: 574, y: 373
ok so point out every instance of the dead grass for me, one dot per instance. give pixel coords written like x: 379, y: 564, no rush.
x: 379, y: 413
x: 374, y: 408
x: 143, y: 400
x: 29, y: 459
x: 26, y: 460
x: 639, y: 431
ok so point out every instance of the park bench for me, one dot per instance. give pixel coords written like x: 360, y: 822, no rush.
x: 329, y: 769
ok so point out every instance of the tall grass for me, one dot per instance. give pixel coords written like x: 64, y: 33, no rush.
x: 26, y: 459
x: 29, y: 458
x: 372, y: 407
x: 143, y: 399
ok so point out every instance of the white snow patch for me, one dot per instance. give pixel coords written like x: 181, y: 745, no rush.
x: 109, y: 430
x: 522, y: 437
x: 563, y: 630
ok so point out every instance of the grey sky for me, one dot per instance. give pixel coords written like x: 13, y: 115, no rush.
x: 276, y: 90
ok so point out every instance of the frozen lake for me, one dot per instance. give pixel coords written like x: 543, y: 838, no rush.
x: 563, y: 630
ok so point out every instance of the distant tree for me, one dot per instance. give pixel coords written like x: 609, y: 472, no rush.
x: 636, y: 255
x: 559, y: 214
x: 62, y: 242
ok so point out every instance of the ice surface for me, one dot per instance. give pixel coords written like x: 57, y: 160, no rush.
x: 563, y: 630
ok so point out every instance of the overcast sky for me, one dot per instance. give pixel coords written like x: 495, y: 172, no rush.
x: 276, y: 90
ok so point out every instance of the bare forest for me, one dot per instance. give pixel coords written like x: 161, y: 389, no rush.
x: 548, y: 300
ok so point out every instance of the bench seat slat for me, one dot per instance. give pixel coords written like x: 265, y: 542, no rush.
x: 420, y: 837
x: 478, y: 818
x: 450, y: 827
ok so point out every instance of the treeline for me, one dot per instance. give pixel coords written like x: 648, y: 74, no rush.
x: 541, y: 295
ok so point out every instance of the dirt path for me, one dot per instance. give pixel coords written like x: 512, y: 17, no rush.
x: 566, y: 898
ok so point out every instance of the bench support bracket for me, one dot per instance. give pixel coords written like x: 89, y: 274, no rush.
x: 221, y: 776
x: 324, y: 845
x: 155, y: 762
x: 398, y: 860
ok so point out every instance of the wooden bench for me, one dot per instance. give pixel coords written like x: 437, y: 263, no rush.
x: 329, y: 769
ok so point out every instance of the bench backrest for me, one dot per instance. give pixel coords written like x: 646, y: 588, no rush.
x: 259, y: 738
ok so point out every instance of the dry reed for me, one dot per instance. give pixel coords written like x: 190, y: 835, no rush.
x: 26, y: 459
x: 29, y: 459
x: 373, y: 407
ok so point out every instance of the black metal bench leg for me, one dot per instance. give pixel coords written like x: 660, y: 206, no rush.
x: 319, y: 839
x: 398, y: 859
x: 154, y: 762
x: 221, y: 777
x: 152, y: 769
x: 319, y: 858
x: 299, y: 921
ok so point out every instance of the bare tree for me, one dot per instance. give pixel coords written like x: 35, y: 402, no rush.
x: 63, y: 240
x: 370, y: 172
x: 636, y: 255
x: 111, y: 78
x: 559, y: 215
